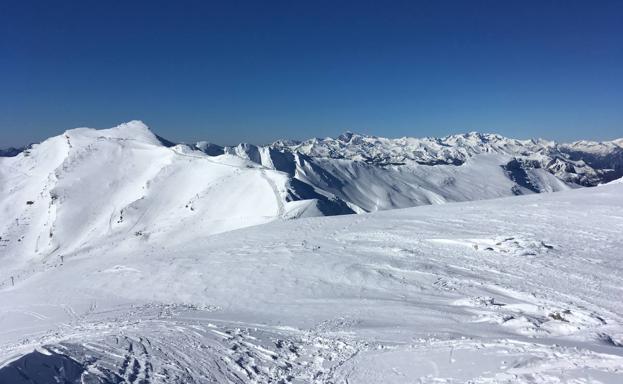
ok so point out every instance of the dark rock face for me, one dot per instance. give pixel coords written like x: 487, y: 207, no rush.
x: 516, y: 171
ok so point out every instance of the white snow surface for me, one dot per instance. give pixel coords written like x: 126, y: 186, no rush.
x: 87, y: 186
x: 524, y: 289
x: 374, y: 188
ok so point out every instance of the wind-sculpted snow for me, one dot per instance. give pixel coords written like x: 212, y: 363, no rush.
x: 523, y: 289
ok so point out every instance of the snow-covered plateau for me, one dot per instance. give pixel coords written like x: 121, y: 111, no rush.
x: 128, y: 259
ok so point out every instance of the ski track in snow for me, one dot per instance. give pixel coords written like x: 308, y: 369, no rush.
x: 280, y: 208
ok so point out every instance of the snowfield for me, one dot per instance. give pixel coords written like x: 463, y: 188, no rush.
x: 156, y: 270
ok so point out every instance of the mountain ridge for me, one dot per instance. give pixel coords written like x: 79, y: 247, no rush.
x: 369, y: 173
x: 347, y: 136
x: 89, y: 186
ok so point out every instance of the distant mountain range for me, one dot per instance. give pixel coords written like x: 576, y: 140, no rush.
x: 378, y: 173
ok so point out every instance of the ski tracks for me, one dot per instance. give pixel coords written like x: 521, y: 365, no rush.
x: 280, y: 206
x: 138, y: 348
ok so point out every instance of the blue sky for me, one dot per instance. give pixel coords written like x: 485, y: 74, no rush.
x: 232, y: 71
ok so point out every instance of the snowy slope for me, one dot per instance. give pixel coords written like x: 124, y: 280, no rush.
x: 521, y: 289
x: 87, y: 186
x: 129, y: 259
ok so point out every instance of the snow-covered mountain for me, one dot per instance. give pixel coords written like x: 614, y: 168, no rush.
x: 372, y: 173
x: 71, y: 190
x: 88, y: 186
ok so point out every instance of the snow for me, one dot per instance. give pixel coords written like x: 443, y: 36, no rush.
x: 374, y: 188
x: 87, y: 186
x: 521, y: 289
x: 372, y: 173
x: 453, y: 149
x: 128, y: 260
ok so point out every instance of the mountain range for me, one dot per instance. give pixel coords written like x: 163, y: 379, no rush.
x: 90, y: 185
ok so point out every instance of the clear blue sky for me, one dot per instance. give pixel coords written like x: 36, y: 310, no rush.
x: 230, y: 71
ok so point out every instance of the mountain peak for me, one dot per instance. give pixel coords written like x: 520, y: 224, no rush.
x: 132, y: 130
